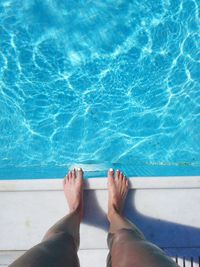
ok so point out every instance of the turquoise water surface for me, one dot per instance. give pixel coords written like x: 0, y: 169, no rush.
x: 99, y: 82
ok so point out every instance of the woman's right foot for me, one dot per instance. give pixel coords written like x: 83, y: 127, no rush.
x: 73, y: 190
x: 117, y: 192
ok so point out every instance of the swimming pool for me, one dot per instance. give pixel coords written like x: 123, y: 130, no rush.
x: 99, y: 82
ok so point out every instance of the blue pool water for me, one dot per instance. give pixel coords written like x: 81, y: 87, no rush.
x: 99, y: 82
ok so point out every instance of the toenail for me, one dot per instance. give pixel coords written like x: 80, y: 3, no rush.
x: 117, y: 170
x: 111, y: 170
x: 79, y: 169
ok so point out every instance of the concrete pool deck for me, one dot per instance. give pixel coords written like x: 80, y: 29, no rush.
x: 166, y: 209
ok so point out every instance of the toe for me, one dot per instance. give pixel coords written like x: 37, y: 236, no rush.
x: 124, y: 178
x: 70, y: 176
x: 110, y: 173
x: 79, y: 174
x: 121, y: 176
x: 73, y: 174
x: 117, y: 174
x: 111, y: 176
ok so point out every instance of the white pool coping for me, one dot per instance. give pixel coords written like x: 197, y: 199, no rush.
x: 172, y: 182
x: 158, y: 201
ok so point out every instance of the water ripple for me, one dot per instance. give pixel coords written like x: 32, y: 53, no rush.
x: 91, y: 81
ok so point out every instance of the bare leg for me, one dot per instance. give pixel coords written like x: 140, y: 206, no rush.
x: 73, y: 190
x: 60, y: 244
x: 126, y: 242
x: 118, y: 189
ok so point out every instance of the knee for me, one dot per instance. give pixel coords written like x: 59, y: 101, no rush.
x: 125, y: 235
x: 56, y: 234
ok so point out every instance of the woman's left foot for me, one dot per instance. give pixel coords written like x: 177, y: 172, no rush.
x: 73, y: 190
x: 117, y: 192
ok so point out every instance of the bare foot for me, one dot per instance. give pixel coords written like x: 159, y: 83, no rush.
x: 73, y: 190
x: 117, y: 191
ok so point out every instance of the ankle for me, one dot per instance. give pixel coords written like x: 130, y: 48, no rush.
x: 76, y: 209
x: 112, y: 212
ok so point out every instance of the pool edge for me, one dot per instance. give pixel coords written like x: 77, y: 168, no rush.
x: 101, y: 184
